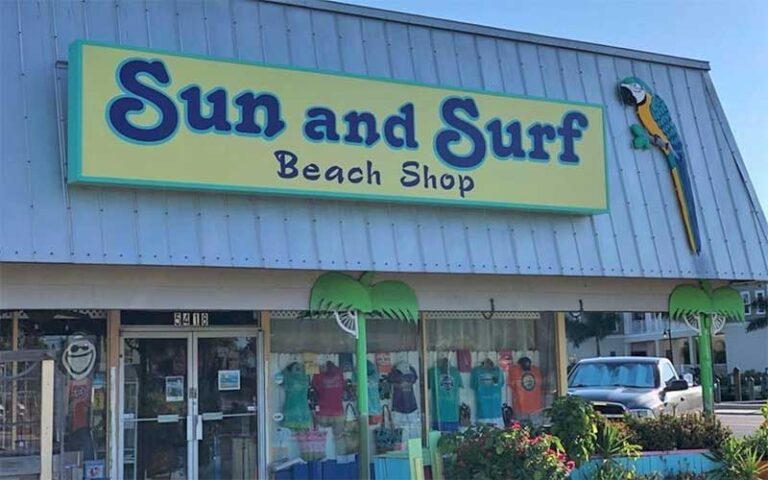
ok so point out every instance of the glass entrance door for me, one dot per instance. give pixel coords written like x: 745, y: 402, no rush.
x: 189, y: 403
x: 227, y: 407
x: 155, y: 418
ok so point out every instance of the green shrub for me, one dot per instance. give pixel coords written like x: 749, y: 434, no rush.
x: 486, y: 452
x: 574, y: 422
x: 758, y: 442
x: 686, y: 432
x: 739, y: 461
x: 653, y: 433
x: 613, y: 441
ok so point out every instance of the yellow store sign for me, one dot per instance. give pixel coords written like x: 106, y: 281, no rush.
x: 158, y: 119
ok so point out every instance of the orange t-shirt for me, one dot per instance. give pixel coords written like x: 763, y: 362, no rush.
x: 526, y: 390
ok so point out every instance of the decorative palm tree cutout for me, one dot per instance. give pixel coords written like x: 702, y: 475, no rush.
x: 350, y: 301
x: 706, y: 310
x: 346, y: 298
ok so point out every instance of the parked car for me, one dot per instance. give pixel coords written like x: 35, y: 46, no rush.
x: 641, y: 386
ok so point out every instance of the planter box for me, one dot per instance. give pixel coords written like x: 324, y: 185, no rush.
x: 765, y: 465
x: 664, y: 463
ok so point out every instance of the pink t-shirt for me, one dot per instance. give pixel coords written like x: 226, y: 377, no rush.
x: 329, y: 384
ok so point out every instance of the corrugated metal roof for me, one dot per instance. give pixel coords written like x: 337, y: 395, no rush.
x: 42, y: 220
x: 424, y: 21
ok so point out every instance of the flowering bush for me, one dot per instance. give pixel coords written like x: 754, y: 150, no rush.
x: 515, y: 453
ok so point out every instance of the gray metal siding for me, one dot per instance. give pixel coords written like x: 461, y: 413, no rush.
x: 42, y: 220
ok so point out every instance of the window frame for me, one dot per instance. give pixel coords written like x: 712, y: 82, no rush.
x: 746, y: 297
x: 760, y: 295
x: 667, y: 366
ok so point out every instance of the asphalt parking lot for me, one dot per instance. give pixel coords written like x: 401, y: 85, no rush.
x: 743, y: 419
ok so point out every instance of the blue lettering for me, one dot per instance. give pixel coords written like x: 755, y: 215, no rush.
x: 538, y: 133
x: 217, y: 99
x: 355, y: 175
x: 321, y: 125
x: 415, y: 175
x: 515, y: 146
x: 250, y: 105
x: 570, y: 134
x: 410, y: 176
x: 404, y: 121
x: 122, y: 107
x: 354, y: 121
x: 287, y: 161
x: 335, y: 172
x: 311, y: 172
x: 446, y: 137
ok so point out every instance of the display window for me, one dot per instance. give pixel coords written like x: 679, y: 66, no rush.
x: 489, y: 370
x: 75, y: 341
x: 451, y: 371
x: 313, y: 418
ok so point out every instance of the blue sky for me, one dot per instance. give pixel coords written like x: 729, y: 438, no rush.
x: 732, y: 35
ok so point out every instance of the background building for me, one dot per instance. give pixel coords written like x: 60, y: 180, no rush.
x: 647, y: 334
x: 748, y: 350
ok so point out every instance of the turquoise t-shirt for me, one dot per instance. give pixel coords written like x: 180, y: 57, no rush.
x: 296, y: 415
x: 487, y: 383
x: 374, y: 398
x: 445, y: 386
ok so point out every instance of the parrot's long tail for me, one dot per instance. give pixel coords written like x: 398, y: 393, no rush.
x: 684, y: 192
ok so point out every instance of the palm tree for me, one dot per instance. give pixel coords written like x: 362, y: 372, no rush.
x: 700, y: 307
x: 597, y: 325
x: 350, y: 301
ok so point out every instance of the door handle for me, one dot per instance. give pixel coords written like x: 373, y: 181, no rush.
x: 171, y: 418
x: 190, y: 426
x: 208, y: 416
x: 198, y: 427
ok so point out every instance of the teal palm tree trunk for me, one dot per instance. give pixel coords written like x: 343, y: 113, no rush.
x: 336, y: 293
x: 706, y: 305
x: 705, y: 364
x: 362, y: 397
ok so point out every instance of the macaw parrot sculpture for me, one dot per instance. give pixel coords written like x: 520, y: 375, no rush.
x: 657, y: 128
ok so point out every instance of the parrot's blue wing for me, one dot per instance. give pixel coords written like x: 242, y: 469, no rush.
x: 663, y: 119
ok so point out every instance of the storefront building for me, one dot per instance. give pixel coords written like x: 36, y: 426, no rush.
x: 177, y: 177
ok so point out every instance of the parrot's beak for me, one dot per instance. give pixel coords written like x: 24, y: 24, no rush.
x: 626, y: 95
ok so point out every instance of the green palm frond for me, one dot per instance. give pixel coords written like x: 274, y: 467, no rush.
x: 690, y: 300
x: 334, y: 291
x: 687, y: 300
x: 728, y: 302
x: 393, y: 299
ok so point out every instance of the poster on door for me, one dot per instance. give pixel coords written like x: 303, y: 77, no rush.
x: 229, y: 380
x: 174, y: 389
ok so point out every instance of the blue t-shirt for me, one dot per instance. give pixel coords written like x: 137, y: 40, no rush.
x: 487, y: 383
x: 374, y: 397
x: 445, y: 385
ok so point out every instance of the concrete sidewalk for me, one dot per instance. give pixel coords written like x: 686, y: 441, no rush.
x: 739, y: 408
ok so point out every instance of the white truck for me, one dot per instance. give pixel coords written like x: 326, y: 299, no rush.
x: 640, y: 386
